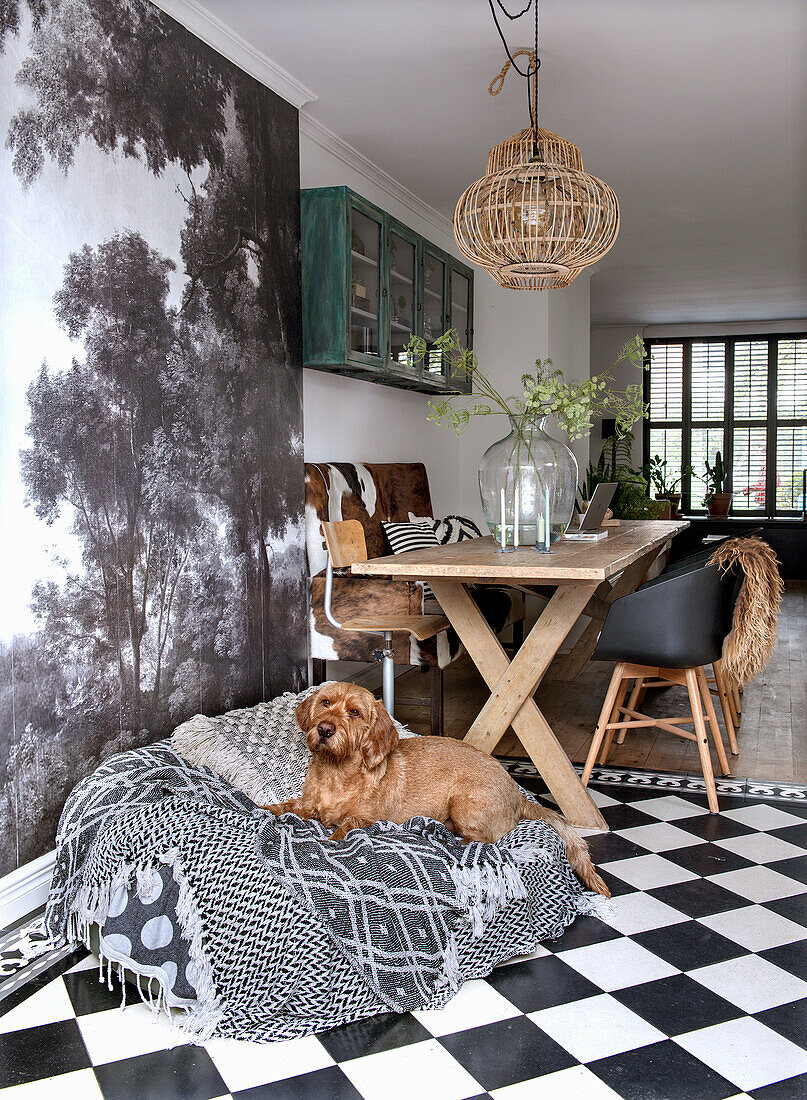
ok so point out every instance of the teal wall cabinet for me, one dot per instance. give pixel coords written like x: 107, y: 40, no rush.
x: 369, y: 284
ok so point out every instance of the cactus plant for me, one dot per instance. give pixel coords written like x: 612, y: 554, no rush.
x: 717, y: 483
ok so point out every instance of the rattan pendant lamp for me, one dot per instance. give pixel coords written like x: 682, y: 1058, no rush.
x: 536, y: 219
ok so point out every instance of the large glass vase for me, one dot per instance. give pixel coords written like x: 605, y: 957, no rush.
x: 527, y: 482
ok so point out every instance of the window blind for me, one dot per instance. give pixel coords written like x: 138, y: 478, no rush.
x: 708, y: 381
x: 791, y: 388
x: 747, y: 398
x: 666, y: 381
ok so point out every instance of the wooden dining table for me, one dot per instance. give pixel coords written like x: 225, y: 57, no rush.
x: 583, y: 578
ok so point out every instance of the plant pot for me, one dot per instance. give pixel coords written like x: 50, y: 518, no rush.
x: 543, y: 470
x: 675, y: 503
x: 719, y: 504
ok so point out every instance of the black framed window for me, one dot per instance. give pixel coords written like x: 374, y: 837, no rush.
x: 745, y: 396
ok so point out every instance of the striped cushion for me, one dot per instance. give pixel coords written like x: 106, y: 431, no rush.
x: 451, y: 529
x: 411, y: 536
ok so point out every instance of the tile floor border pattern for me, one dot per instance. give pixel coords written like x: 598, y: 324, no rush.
x: 694, y: 989
x: 668, y: 781
x: 26, y: 952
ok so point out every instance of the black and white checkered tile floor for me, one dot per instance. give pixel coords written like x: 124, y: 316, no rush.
x: 695, y: 989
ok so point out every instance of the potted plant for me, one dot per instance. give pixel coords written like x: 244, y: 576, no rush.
x: 528, y: 480
x: 632, y: 499
x: 666, y: 488
x: 718, y: 495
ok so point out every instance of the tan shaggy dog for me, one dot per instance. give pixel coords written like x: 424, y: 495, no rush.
x: 360, y: 772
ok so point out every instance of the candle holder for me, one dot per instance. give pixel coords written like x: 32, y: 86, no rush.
x: 543, y: 528
x: 508, y: 548
x: 506, y: 531
x: 524, y: 521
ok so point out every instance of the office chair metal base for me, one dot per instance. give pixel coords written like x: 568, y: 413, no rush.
x: 388, y: 675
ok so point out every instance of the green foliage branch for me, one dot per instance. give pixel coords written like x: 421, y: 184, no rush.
x: 575, y: 405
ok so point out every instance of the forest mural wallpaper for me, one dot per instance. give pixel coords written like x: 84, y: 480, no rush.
x: 151, y: 471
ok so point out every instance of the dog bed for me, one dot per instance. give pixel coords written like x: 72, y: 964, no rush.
x: 263, y: 928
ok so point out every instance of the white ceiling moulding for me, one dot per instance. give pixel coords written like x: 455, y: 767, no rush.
x: 225, y: 41
x: 328, y: 140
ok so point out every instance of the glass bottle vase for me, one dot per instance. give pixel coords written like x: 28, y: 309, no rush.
x: 527, y: 482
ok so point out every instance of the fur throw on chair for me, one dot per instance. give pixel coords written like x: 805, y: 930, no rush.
x: 753, y: 633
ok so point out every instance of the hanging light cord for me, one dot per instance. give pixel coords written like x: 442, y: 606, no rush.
x: 531, y: 73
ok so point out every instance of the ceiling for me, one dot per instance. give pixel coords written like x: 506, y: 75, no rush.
x: 694, y: 111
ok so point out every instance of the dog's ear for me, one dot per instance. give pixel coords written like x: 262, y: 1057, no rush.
x: 305, y: 712
x: 380, y: 738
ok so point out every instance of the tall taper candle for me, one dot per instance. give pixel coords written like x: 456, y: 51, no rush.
x: 517, y: 511
x: 502, y: 528
x: 546, y: 508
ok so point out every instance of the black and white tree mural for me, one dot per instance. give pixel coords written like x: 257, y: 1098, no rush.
x: 156, y: 493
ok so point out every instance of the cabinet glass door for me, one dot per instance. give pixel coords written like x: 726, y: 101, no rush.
x: 461, y: 322
x: 365, y: 284
x: 402, y: 305
x: 434, y: 313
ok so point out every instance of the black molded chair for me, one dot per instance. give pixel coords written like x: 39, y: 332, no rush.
x: 701, y: 557
x: 665, y: 633
x: 730, y: 698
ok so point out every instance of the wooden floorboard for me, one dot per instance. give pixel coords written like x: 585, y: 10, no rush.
x: 772, y: 735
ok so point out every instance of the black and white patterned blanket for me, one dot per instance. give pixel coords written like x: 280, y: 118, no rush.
x: 222, y: 909
x: 391, y: 897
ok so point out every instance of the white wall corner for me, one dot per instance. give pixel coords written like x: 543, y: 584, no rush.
x: 315, y: 131
x: 26, y: 889
x: 225, y: 41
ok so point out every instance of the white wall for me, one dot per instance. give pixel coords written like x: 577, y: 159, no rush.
x: 606, y: 343
x: 570, y: 342
x: 350, y: 420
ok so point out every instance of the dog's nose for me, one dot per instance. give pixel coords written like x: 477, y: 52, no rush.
x: 325, y: 730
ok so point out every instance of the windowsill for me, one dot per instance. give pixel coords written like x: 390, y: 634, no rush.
x: 760, y: 521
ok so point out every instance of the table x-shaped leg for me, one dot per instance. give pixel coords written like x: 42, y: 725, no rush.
x: 512, y: 684
x: 570, y: 665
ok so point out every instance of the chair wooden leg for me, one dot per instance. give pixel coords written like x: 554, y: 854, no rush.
x: 436, y: 709
x: 318, y: 671
x: 609, y: 735
x: 702, y: 742
x: 735, y: 715
x: 711, y: 714
x: 738, y: 701
x: 731, y: 732
x: 633, y: 703
x: 605, y: 714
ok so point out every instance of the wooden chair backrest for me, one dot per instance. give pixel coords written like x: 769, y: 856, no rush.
x: 345, y: 542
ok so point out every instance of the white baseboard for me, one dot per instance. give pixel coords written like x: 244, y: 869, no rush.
x: 25, y: 889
